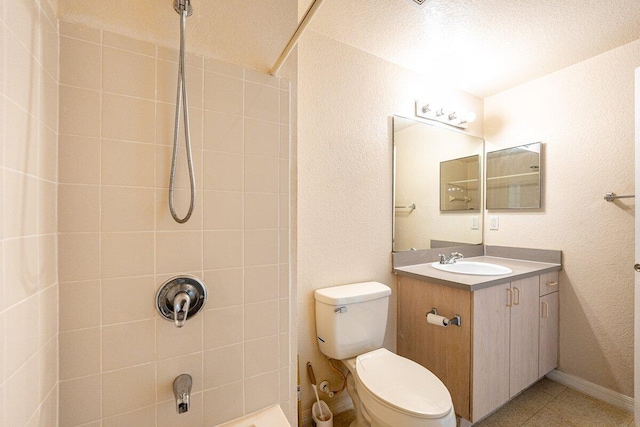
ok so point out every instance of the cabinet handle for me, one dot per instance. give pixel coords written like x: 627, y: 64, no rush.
x: 517, y: 295
x: 552, y: 283
x: 545, y: 310
x: 509, y: 298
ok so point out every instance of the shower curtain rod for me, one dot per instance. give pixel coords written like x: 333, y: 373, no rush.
x: 306, y: 20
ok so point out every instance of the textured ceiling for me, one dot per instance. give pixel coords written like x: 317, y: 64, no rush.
x: 251, y: 34
x: 481, y: 46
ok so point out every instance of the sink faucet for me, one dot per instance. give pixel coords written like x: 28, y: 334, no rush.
x: 450, y: 259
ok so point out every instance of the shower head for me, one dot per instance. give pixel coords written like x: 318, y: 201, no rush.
x: 181, y: 5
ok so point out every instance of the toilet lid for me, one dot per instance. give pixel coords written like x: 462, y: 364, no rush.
x: 403, y: 384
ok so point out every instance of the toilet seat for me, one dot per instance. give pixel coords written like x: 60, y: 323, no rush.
x: 402, y: 384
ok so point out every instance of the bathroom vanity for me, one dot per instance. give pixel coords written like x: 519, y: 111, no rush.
x: 507, y: 338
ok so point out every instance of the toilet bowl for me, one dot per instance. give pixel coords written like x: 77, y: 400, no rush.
x: 387, y: 390
x: 395, y: 391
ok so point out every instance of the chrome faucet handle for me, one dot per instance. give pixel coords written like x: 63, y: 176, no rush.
x: 181, y: 304
x: 454, y: 256
x: 181, y: 297
x: 443, y: 258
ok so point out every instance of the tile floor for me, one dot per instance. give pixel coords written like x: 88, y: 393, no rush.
x: 548, y: 404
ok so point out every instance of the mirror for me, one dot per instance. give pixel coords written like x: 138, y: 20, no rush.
x: 420, y: 149
x: 459, y: 189
x: 513, y: 178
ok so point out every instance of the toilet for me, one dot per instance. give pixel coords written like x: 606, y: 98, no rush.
x: 387, y: 390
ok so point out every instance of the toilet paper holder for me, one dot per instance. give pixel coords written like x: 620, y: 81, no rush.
x: 455, y: 320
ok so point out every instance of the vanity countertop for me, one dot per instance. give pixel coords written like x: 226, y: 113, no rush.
x: 521, y: 269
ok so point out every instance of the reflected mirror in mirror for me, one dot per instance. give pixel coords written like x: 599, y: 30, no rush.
x: 418, y: 222
x: 513, y: 178
x: 459, y: 188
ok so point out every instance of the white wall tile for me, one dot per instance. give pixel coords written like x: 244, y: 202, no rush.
x: 79, y: 353
x: 115, y: 254
x: 227, y: 287
x: 224, y: 403
x: 223, y: 94
x: 261, y: 210
x: 168, y: 335
x: 223, y: 132
x: 223, y: 365
x: 261, y: 320
x: 261, y: 138
x: 259, y: 391
x: 261, y: 174
x: 261, y: 356
x: 261, y: 283
x: 223, y: 326
x: 80, y: 400
x: 79, y: 305
x: 135, y: 343
x: 128, y: 389
x: 261, y: 102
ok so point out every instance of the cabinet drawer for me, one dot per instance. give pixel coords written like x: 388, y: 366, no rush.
x: 548, y: 283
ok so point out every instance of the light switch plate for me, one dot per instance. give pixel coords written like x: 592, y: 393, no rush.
x: 475, y: 223
x: 494, y: 223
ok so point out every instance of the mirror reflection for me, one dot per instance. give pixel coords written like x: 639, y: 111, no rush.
x: 513, y: 178
x: 418, y: 221
x: 459, y: 188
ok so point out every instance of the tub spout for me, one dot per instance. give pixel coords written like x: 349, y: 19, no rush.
x: 182, y: 390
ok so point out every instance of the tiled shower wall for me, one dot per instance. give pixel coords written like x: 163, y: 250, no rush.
x: 118, y: 243
x: 28, y: 284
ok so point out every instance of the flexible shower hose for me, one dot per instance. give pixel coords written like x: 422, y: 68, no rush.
x: 181, y: 101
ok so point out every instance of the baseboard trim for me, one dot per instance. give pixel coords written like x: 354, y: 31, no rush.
x: 337, y: 406
x: 593, y: 390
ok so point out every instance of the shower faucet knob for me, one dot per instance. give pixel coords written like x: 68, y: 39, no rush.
x: 181, y: 298
x: 181, y: 304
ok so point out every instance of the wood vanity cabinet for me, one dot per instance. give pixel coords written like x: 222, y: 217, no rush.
x: 507, y: 341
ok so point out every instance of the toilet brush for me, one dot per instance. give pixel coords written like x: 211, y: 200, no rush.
x: 312, y: 379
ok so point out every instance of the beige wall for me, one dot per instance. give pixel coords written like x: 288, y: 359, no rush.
x: 28, y: 280
x: 118, y: 243
x: 346, y: 100
x: 584, y: 116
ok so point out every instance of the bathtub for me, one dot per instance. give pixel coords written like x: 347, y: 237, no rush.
x: 269, y: 417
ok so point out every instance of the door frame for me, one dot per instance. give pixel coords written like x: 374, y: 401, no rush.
x: 636, y: 345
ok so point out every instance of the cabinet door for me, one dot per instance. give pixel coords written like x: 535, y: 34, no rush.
x: 548, y: 354
x: 490, y: 332
x: 524, y: 334
x: 444, y: 351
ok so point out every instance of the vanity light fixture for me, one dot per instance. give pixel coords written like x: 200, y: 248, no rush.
x: 437, y: 113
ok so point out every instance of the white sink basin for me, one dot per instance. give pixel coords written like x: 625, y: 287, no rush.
x: 473, y: 268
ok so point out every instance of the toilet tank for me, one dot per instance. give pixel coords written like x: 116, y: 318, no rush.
x: 351, y: 319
